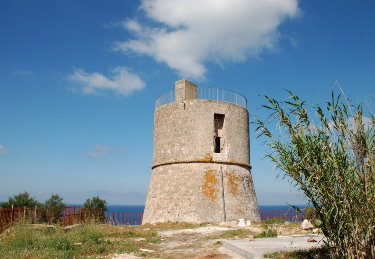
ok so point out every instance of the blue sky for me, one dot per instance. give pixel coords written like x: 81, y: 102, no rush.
x: 78, y: 81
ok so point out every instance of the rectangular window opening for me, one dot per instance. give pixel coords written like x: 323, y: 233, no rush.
x: 217, y: 145
x: 219, y: 123
x: 218, y: 132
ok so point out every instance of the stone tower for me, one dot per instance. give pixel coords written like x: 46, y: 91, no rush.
x: 201, y: 167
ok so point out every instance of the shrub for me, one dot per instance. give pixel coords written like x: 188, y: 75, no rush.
x: 272, y: 221
x: 333, y: 162
x: 267, y: 233
x: 310, y: 214
x: 55, y: 206
x: 20, y: 200
x: 95, y: 203
x: 236, y: 233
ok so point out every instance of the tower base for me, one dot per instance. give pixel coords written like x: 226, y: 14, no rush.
x: 200, y: 192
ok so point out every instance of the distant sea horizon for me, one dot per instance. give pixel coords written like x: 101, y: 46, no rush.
x: 140, y: 208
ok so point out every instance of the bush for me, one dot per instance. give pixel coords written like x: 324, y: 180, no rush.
x: 267, y: 233
x: 93, y: 209
x: 20, y: 200
x: 55, y: 206
x: 272, y: 221
x: 95, y: 203
x: 333, y: 162
x: 24, y: 241
x: 310, y: 214
x: 236, y: 233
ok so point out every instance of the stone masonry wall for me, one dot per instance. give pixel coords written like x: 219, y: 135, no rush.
x: 196, y: 192
x: 183, y: 131
x: 192, y: 183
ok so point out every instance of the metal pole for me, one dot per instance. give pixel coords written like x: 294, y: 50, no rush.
x: 12, y: 215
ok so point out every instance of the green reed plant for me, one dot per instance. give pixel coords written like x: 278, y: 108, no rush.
x: 331, y: 157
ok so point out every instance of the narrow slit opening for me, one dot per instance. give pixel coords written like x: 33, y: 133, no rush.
x: 217, y: 145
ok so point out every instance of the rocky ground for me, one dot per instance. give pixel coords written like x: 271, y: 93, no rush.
x: 204, y: 241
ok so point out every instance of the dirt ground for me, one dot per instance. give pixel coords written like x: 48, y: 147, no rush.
x: 202, y: 241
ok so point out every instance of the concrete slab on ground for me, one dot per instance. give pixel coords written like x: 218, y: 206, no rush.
x: 261, y: 246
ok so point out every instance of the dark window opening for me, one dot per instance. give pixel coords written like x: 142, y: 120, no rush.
x: 218, y: 132
x: 217, y: 145
x: 218, y: 123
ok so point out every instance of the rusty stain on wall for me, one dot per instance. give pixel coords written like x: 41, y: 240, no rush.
x: 207, y: 158
x: 239, y: 211
x: 232, y: 183
x: 209, y: 185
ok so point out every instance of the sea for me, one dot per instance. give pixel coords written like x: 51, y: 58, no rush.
x: 141, y: 208
x: 132, y: 214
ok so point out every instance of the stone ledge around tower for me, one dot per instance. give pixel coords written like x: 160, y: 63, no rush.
x: 203, y: 160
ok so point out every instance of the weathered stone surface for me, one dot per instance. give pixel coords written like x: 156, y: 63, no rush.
x: 306, y: 225
x: 242, y: 223
x: 192, y: 183
x: 317, y: 230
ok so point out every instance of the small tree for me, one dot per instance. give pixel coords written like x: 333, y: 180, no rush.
x: 93, y: 209
x: 20, y: 200
x: 95, y: 203
x: 55, y: 206
x: 332, y: 160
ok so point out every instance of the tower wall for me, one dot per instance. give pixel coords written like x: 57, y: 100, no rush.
x: 201, y: 169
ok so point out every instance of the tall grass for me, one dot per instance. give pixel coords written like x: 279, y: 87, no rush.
x: 332, y: 160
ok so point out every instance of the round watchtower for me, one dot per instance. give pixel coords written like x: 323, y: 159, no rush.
x: 201, y: 167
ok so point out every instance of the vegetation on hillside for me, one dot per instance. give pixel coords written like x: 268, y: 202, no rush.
x: 20, y: 200
x: 95, y: 203
x: 56, y: 205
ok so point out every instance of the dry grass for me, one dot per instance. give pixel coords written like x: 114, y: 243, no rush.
x: 104, y: 241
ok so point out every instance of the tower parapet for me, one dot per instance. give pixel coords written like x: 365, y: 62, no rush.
x: 185, y: 90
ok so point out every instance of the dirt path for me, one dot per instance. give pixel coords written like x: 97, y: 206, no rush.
x: 203, y: 242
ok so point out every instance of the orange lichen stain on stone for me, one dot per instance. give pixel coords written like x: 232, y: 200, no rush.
x: 207, y: 158
x: 238, y: 211
x: 209, y: 185
x: 232, y: 182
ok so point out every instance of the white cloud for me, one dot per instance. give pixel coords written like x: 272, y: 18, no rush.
x: 100, y: 151
x: 122, y: 81
x: 366, y: 122
x: 196, y: 31
x: 4, y: 149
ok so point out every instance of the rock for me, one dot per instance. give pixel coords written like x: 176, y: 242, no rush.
x: 286, y: 223
x: 250, y: 238
x: 77, y: 244
x: 241, y: 223
x: 68, y: 228
x: 146, y: 250
x: 248, y: 223
x: 311, y: 240
x: 316, y: 230
x: 306, y: 225
x: 139, y: 239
